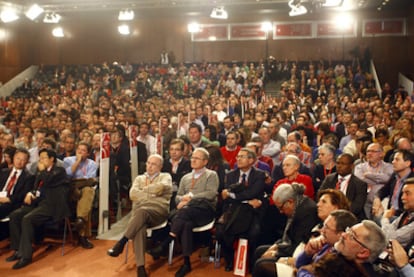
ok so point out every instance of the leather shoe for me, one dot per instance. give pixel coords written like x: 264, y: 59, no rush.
x: 229, y: 267
x: 13, y: 257
x: 116, y: 250
x: 85, y: 243
x: 22, y: 263
x: 141, y: 271
x: 184, y: 269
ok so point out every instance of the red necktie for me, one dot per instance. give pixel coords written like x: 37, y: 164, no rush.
x: 11, y: 183
x: 338, y: 184
x: 404, y: 220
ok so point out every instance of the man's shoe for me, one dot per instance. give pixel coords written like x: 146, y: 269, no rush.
x: 184, y: 269
x: 229, y: 267
x: 85, y: 243
x: 22, y: 263
x: 141, y: 271
x: 116, y: 250
x: 13, y: 257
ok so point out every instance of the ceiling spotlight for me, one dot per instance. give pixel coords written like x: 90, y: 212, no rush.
x: 58, y: 32
x: 125, y: 15
x: 219, y: 13
x: 34, y: 11
x: 8, y: 14
x: 332, y: 3
x: 52, y: 18
x: 123, y: 29
x: 297, y: 8
x: 193, y: 27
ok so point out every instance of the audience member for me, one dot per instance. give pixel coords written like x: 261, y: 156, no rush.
x: 242, y: 201
x: 344, y: 180
x: 46, y: 200
x: 150, y: 194
x: 82, y: 172
x: 196, y: 201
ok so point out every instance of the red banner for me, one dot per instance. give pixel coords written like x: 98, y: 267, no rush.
x: 384, y: 27
x: 252, y: 31
x: 105, y: 145
x: 211, y: 33
x: 332, y: 29
x: 293, y: 30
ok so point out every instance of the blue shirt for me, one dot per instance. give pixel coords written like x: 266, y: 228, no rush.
x: 86, y: 169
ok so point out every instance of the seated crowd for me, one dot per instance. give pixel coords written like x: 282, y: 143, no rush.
x: 318, y: 179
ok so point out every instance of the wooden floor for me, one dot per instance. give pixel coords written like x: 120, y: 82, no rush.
x: 95, y: 263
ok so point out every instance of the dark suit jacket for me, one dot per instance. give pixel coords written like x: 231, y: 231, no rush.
x: 54, y: 193
x: 242, y: 215
x: 304, y: 219
x: 184, y: 167
x: 142, y: 157
x: 356, y: 192
x: 23, y: 185
x: 388, y: 189
x: 255, y: 184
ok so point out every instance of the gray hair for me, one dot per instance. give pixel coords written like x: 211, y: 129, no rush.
x: 328, y: 147
x: 284, y: 192
x: 158, y: 157
x: 376, y: 240
x: 203, y: 151
x: 292, y: 157
x: 250, y: 153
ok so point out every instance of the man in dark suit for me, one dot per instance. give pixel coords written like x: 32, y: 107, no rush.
x: 47, y: 200
x: 13, y: 191
x: 402, y: 164
x: 194, y: 134
x: 344, y: 180
x: 243, y: 195
x: 301, y: 213
x: 177, y: 165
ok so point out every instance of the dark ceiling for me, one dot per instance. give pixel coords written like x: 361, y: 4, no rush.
x: 194, y: 8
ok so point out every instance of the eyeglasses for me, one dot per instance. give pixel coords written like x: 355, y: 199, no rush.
x: 325, y: 226
x: 242, y: 157
x: 282, y: 206
x: 197, y: 159
x: 352, y: 235
x: 373, y: 151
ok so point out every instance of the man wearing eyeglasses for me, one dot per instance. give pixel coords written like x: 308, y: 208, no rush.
x: 375, y: 172
x: 334, y: 226
x: 362, y: 243
x: 242, y: 202
x: 196, y: 201
x: 301, y: 217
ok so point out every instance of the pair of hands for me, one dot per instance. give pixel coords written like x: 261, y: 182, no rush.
x: 184, y: 201
x: 255, y: 203
x: 397, y: 254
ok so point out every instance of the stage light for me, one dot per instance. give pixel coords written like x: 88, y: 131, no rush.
x: 52, y: 18
x: 219, y: 13
x: 58, y: 32
x: 297, y: 8
x: 8, y: 14
x: 193, y: 27
x: 34, y: 11
x: 332, y: 3
x: 126, y: 15
x: 123, y: 29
